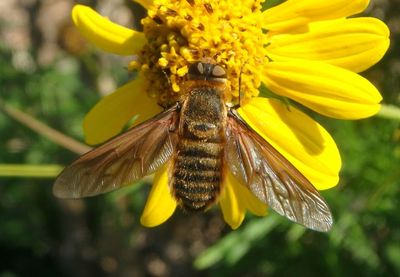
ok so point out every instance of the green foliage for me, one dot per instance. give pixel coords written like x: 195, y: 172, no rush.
x: 33, y: 224
x: 49, y: 95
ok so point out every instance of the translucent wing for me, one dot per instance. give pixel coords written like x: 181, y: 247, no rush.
x: 122, y: 160
x: 272, y: 178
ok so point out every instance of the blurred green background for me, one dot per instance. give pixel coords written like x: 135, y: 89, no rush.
x: 50, y: 74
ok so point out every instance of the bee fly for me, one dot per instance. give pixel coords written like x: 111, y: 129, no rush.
x: 203, y: 139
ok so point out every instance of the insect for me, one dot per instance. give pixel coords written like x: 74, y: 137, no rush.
x: 202, y: 138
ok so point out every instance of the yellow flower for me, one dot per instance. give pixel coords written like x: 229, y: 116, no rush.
x: 304, y: 50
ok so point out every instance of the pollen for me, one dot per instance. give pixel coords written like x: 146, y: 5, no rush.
x: 182, y: 32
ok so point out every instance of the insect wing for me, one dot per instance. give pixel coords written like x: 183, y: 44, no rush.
x: 272, y: 178
x: 122, y: 160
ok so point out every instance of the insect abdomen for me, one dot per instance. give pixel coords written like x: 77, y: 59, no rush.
x: 197, y: 174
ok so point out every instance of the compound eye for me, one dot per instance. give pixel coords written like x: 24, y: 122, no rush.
x: 200, y: 68
x: 218, y: 72
x: 196, y: 69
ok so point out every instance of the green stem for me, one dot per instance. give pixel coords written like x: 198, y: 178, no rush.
x: 389, y: 112
x: 44, y: 130
x: 38, y: 171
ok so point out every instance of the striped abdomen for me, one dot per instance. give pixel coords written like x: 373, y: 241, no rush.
x: 197, y: 172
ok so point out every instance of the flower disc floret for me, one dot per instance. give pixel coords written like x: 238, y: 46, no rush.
x: 181, y: 32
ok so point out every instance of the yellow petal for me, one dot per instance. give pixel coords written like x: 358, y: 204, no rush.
x: 105, y: 34
x: 355, y: 44
x: 112, y: 112
x: 252, y: 203
x: 145, y: 3
x: 294, y: 14
x: 327, y: 89
x: 245, y: 197
x: 160, y: 204
x: 300, y: 139
x: 232, y: 208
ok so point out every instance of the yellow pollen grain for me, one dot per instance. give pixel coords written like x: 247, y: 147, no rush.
x: 163, y: 62
x: 182, y: 71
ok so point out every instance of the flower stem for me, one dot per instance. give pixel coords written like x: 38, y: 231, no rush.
x: 27, y: 170
x: 39, y: 127
x: 389, y: 112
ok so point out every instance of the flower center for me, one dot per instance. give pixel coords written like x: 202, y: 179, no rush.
x: 182, y: 32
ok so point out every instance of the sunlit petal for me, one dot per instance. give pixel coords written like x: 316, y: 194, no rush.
x: 108, y: 117
x: 160, y: 204
x: 105, y: 34
x: 327, y: 89
x: 231, y: 202
x: 294, y: 14
x: 355, y: 44
x: 300, y: 139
